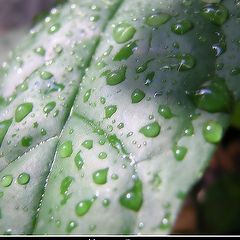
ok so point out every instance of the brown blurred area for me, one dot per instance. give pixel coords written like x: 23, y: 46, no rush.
x: 16, y: 13
x: 213, y: 204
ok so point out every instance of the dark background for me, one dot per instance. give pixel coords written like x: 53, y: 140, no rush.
x: 213, y: 204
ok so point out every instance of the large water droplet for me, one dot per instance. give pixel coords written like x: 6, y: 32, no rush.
x: 71, y: 226
x: 100, y: 176
x: 110, y: 110
x: 26, y: 141
x: 151, y: 130
x: 83, y: 207
x: 182, y: 27
x: 65, y: 184
x: 87, y: 95
x: 65, y: 150
x: 79, y: 161
x: 165, y: 111
x: 22, y: 111
x: 186, y: 62
x: 54, y: 28
x: 40, y: 51
x: 215, y: 13
x: 212, y: 131
x: 133, y: 198
x: 46, y: 75
x: 88, y: 144
x: 137, y: 96
x: 179, y: 152
x: 23, y: 178
x: 49, y: 107
x: 125, y: 52
x: 4, y: 126
x: 213, y: 96
x: 157, y: 19
x: 6, y: 180
x: 123, y: 32
x: 115, y: 77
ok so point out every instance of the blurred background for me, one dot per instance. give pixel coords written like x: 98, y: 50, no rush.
x: 213, y: 204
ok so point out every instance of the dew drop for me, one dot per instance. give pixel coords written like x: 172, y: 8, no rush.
x: 151, y: 130
x: 182, y: 27
x: 23, y: 178
x: 65, y: 150
x: 157, y: 19
x: 215, y: 13
x: 22, y: 111
x: 212, y: 131
x: 100, y: 176
x: 79, y: 162
x: 83, y: 207
x: 123, y: 32
x: 133, y: 198
x: 6, y: 180
x: 115, y: 77
x: 110, y: 110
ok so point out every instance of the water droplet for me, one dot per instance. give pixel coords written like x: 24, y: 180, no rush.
x: 54, y: 28
x: 125, y: 52
x: 83, y: 207
x: 165, y: 222
x: 137, y: 96
x: 143, y: 67
x: 110, y: 110
x: 149, y: 78
x: 165, y: 111
x: 26, y: 141
x: 65, y: 184
x: 102, y: 100
x: 40, y: 51
x: 65, y: 150
x: 213, y: 96
x: 49, y: 107
x: 123, y: 32
x: 215, y: 13
x: 102, y: 155
x: 71, y: 226
x: 157, y: 19
x: 189, y: 130
x: 182, y: 27
x: 186, y: 62
x: 4, y: 126
x: 23, y: 178
x: 22, y: 111
x: 46, y: 75
x: 120, y: 125
x: 115, y: 77
x: 79, y: 161
x: 106, y: 202
x: 88, y: 144
x: 6, y: 180
x: 87, y: 95
x: 100, y: 176
x: 133, y: 198
x: 151, y: 130
x: 212, y: 132
x: 179, y: 152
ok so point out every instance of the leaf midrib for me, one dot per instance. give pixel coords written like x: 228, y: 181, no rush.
x: 69, y: 114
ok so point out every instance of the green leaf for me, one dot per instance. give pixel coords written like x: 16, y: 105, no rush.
x: 131, y: 105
